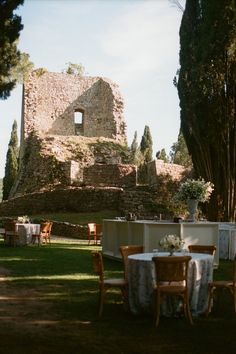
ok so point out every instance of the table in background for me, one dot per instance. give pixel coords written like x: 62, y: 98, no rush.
x: 25, y: 232
x: 142, y: 279
x: 227, y: 241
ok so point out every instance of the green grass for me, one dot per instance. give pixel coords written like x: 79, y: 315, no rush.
x: 48, y: 304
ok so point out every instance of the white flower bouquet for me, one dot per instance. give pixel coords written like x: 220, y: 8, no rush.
x: 23, y: 219
x: 171, y: 243
x: 195, y: 189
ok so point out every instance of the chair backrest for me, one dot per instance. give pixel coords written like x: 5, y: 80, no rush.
x: 171, y: 268
x: 10, y: 226
x: 208, y: 249
x: 92, y: 228
x: 98, y: 229
x: 44, y: 227
x: 50, y: 227
x: 98, y: 266
x: 127, y: 251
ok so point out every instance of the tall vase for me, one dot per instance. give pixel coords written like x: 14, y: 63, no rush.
x: 192, y: 205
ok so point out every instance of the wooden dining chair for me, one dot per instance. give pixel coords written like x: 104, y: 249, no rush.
x: 208, y: 249
x: 222, y: 284
x: 91, y: 231
x: 44, y: 234
x: 105, y: 283
x: 172, y: 279
x: 11, y: 236
x: 94, y: 232
x: 98, y: 234
x: 127, y: 251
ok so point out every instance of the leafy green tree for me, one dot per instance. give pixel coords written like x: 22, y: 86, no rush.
x: 10, y: 27
x: 11, y: 167
x: 136, y: 157
x: 75, y: 69
x: 21, y: 71
x: 207, y: 92
x: 179, y: 152
x: 161, y: 155
x: 146, y: 144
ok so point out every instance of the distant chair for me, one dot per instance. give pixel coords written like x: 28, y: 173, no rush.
x: 208, y: 249
x: 99, y: 233
x: 94, y: 232
x: 45, y: 233
x: 127, y: 251
x: 223, y: 284
x: 11, y: 236
x: 105, y: 283
x: 172, y: 279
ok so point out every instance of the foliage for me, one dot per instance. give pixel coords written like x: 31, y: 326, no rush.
x: 207, y: 90
x: 10, y: 27
x: 146, y: 144
x: 21, y: 71
x: 40, y: 71
x: 11, y: 167
x: 162, y: 155
x: 74, y: 69
x: 179, y: 152
x: 1, y: 181
x: 136, y: 156
x: 195, y: 189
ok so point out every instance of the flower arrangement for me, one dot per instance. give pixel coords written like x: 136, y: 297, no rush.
x: 171, y: 243
x: 23, y: 219
x: 195, y: 189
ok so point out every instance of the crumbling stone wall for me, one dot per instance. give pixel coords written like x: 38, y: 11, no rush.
x: 52, y: 161
x: 112, y: 175
x: 51, y: 99
x: 159, y: 170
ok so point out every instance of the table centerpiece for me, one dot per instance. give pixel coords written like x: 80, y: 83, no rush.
x: 192, y: 192
x: 171, y: 243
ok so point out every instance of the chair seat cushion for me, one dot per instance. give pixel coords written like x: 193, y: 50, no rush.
x: 221, y: 283
x: 115, y: 282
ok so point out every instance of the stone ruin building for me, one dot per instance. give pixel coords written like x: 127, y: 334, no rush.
x: 72, y: 132
x: 74, y: 154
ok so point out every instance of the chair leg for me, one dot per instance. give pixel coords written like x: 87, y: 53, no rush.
x: 187, y: 310
x: 101, y: 300
x: 158, y: 308
x: 210, y: 298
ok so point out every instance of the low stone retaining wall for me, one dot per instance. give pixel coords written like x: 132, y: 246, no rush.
x: 65, y: 229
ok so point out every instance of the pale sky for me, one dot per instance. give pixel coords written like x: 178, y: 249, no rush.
x: 135, y: 43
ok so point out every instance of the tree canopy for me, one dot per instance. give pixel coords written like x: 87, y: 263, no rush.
x: 11, y: 167
x: 207, y: 89
x: 10, y: 27
x: 146, y: 144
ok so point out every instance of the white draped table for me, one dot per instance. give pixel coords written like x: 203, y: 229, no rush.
x: 227, y: 241
x: 25, y: 232
x: 141, y: 277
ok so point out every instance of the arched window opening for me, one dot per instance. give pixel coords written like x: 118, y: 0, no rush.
x: 78, y: 121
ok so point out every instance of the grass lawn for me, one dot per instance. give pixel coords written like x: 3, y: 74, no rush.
x: 48, y: 304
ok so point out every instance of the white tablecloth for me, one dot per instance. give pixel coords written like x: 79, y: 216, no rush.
x: 141, y: 276
x: 227, y: 241
x: 25, y: 232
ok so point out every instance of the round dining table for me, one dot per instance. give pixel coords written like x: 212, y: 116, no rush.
x: 25, y: 232
x: 142, y: 280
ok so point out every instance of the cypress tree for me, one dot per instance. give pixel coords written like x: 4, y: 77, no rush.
x: 11, y: 166
x: 207, y: 90
x: 146, y: 144
x: 10, y: 27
